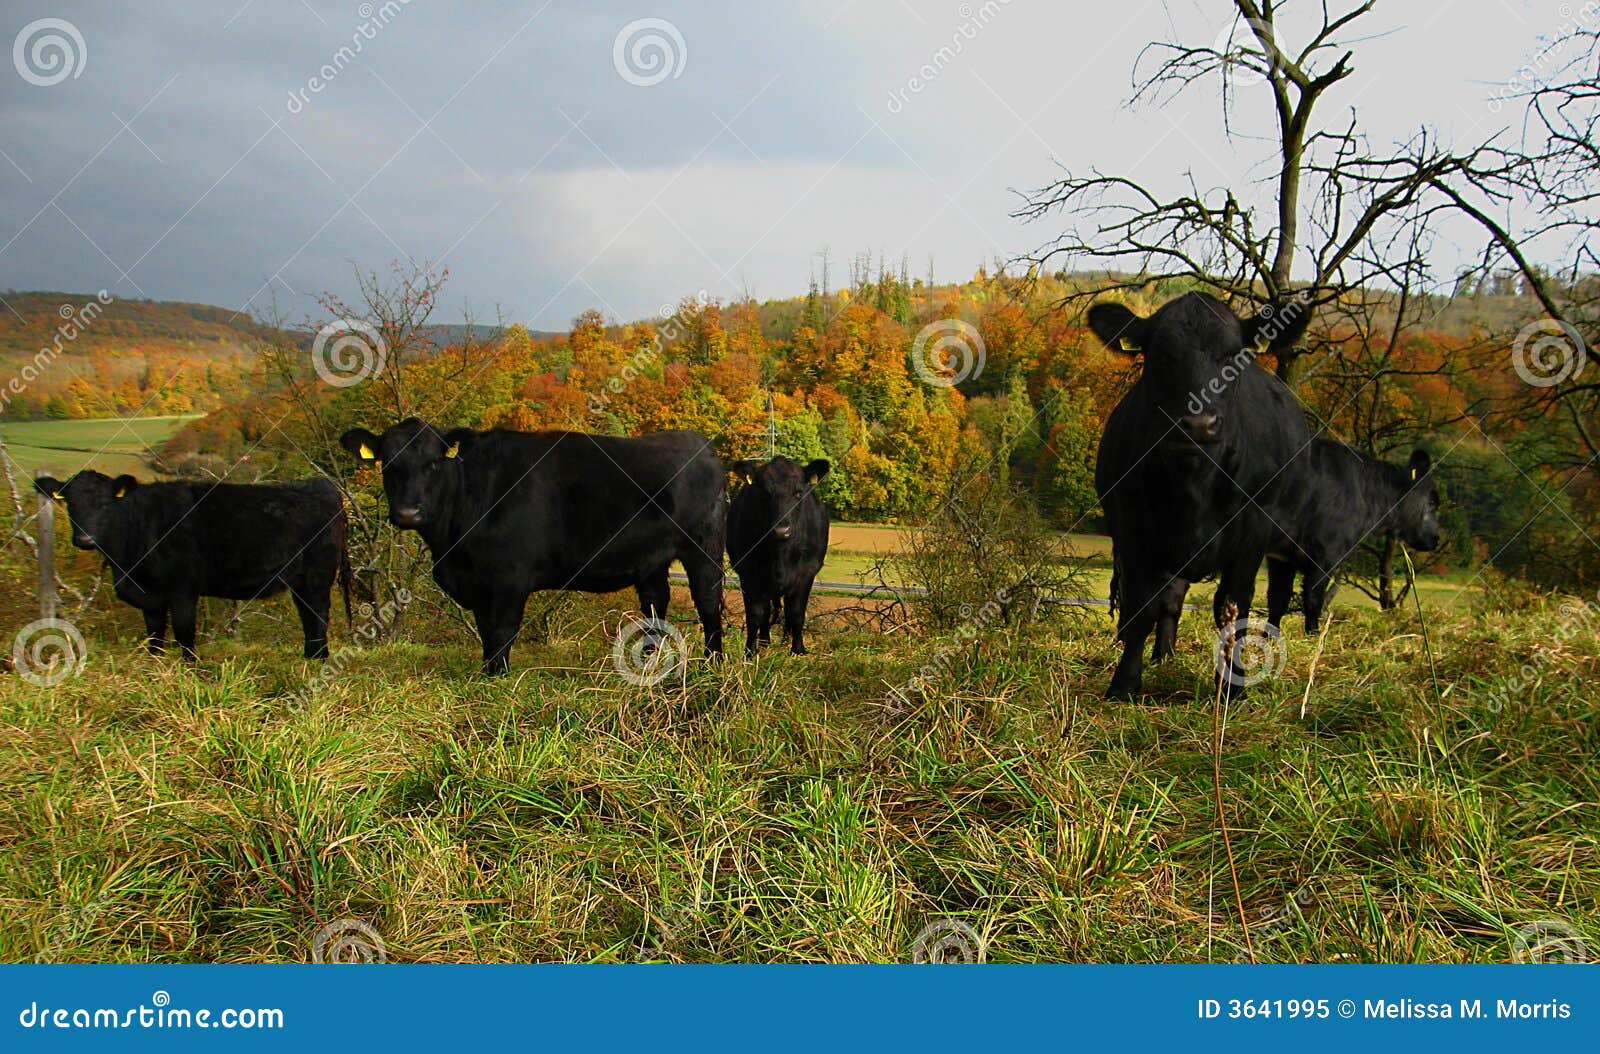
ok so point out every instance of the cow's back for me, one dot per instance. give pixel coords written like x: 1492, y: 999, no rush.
x: 571, y: 510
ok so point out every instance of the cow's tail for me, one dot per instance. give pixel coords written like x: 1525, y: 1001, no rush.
x: 341, y: 531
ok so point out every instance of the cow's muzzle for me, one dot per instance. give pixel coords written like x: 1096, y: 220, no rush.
x: 83, y: 540
x: 407, y: 516
x: 1202, y: 428
x: 782, y: 532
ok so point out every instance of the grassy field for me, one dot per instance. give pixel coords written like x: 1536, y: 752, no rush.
x: 798, y: 809
x: 855, y: 549
x: 110, y: 445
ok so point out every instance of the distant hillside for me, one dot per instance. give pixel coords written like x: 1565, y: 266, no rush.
x: 74, y: 355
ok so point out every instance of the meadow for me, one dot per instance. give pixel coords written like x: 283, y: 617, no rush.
x: 1401, y: 793
x: 111, y: 445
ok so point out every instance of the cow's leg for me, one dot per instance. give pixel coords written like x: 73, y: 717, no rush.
x: 1169, y: 608
x: 794, y: 616
x: 1237, y: 584
x: 704, y: 568
x: 756, y: 606
x: 499, y: 620
x: 655, y: 592
x: 1280, y: 588
x: 774, y: 616
x: 1140, y: 596
x: 1316, y: 588
x: 155, y: 629
x: 183, y: 617
x: 312, y: 607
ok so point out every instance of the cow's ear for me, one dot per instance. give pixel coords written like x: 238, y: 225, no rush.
x: 1278, y: 326
x: 50, y: 487
x: 816, y: 470
x: 747, y: 469
x: 123, y: 484
x: 360, y: 442
x: 1419, y: 464
x: 1118, y: 328
x: 454, y: 440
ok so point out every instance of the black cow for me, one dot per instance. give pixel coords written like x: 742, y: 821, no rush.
x: 1349, y: 498
x: 777, y: 538
x: 169, y: 544
x: 507, y: 513
x: 1192, y: 463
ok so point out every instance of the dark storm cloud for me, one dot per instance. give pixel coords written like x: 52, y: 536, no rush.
x: 273, y: 143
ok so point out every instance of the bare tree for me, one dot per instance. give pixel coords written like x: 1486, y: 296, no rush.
x: 1540, y: 203
x: 1332, y: 192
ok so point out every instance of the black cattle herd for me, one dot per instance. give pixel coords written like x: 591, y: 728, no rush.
x: 1206, y: 468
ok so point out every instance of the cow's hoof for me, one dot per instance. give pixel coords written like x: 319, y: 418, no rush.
x: 1121, y: 693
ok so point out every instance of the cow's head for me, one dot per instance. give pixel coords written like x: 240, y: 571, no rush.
x: 1194, y: 349
x: 94, y: 505
x: 1416, y: 518
x: 421, y: 467
x: 778, y: 488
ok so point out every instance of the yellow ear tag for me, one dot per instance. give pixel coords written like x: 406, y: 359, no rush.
x: 1414, y: 473
x: 121, y: 491
x: 57, y: 497
x: 812, y: 479
x: 452, y: 450
x: 366, y: 454
x: 1126, y: 345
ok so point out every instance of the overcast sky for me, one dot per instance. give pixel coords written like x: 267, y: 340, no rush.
x: 195, y: 151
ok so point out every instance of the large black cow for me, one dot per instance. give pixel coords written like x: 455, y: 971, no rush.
x: 1349, y: 498
x: 777, y: 538
x: 1192, y: 463
x: 168, y: 544
x: 507, y: 513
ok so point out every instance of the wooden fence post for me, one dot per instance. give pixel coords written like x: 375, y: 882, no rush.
x: 47, y: 556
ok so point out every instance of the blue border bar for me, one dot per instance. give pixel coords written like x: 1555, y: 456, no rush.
x: 800, y: 1008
